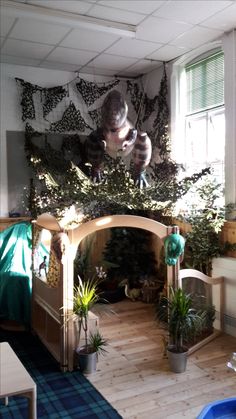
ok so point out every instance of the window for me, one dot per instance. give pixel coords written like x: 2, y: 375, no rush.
x: 204, y: 115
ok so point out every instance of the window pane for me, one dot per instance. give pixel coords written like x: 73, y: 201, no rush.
x: 216, y: 136
x: 205, y: 83
x: 216, y: 144
x: 205, y: 140
x: 196, y: 141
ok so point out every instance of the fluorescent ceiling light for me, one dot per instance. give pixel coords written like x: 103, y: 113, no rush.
x: 14, y: 9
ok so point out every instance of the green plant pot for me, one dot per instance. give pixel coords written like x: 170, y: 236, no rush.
x: 177, y: 360
x: 87, y: 361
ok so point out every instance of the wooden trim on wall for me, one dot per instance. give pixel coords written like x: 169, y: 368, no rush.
x: 8, y: 221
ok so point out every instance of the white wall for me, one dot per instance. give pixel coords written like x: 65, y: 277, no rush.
x: 11, y: 110
x: 229, y: 47
x: 226, y: 267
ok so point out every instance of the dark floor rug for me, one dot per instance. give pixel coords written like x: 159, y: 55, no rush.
x: 66, y: 395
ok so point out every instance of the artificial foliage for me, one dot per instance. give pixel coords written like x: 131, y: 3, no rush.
x: 129, y: 248
x: 206, y: 219
x: 150, y: 105
x: 160, y: 136
x: 136, y: 95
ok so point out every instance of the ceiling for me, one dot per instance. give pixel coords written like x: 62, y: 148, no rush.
x: 131, y: 37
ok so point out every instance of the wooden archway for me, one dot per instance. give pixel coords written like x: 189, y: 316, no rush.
x: 46, y: 301
x: 161, y: 230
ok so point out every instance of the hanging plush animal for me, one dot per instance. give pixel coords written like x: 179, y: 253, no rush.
x: 117, y: 136
x: 174, y: 247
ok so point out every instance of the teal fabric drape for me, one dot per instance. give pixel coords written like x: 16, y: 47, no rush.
x: 15, y: 272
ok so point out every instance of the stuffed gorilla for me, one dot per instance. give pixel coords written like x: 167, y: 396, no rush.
x: 117, y: 136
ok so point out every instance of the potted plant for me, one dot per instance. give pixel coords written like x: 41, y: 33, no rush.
x: 183, y: 322
x: 85, y: 296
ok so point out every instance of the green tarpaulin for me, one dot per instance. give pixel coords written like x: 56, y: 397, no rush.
x: 15, y: 272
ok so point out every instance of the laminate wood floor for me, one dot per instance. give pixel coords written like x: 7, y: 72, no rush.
x: 134, y: 375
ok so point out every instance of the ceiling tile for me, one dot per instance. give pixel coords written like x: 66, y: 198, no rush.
x: 27, y: 49
x: 159, y: 30
x: 1, y: 41
x: 71, y: 56
x: 165, y: 35
x: 128, y: 73
x: 144, y: 66
x: 145, y: 7
x: 196, y: 37
x: 133, y: 48
x: 100, y: 71
x: 224, y: 20
x: 6, y: 24
x: 190, y: 11
x: 38, y: 31
x: 167, y: 53
x: 112, y: 62
x: 59, y: 66
x: 116, y: 15
x: 89, y: 40
x: 10, y: 59
x: 75, y: 6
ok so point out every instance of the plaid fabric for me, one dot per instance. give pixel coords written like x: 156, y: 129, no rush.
x: 59, y: 395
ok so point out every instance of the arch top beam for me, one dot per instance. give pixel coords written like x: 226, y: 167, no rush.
x: 110, y: 221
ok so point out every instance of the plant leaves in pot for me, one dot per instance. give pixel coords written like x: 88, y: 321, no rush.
x: 85, y: 296
x: 182, y: 322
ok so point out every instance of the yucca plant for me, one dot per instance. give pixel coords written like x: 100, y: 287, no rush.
x: 98, y: 342
x: 183, y: 321
x: 85, y: 296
